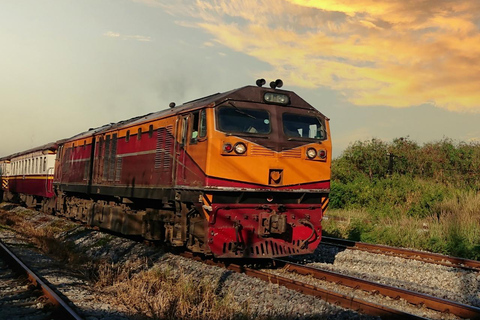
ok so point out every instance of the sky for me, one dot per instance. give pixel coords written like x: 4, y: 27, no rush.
x: 377, y: 68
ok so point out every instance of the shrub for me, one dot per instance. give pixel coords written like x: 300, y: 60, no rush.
x: 415, y: 196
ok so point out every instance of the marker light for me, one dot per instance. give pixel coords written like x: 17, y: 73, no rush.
x: 311, y: 153
x: 322, y: 154
x: 240, y: 148
x: 227, y: 147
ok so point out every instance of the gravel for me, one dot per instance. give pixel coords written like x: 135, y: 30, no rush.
x: 440, y: 281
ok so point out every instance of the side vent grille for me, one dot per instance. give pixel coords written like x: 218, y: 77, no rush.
x: 113, y: 158
x: 118, y: 173
x: 164, y: 149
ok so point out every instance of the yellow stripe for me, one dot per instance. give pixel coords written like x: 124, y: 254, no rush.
x: 49, y: 177
x: 325, y: 204
x: 208, y: 197
x: 207, y: 202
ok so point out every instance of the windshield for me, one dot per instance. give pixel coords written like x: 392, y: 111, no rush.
x: 302, y: 126
x: 241, y: 120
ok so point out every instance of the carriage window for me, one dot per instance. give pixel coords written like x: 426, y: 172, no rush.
x: 242, y: 120
x: 139, y: 134
x: 302, y: 126
x: 127, y: 137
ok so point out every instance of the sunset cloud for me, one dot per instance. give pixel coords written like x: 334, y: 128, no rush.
x: 393, y: 52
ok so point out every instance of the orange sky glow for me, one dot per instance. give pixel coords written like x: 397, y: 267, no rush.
x: 392, y: 53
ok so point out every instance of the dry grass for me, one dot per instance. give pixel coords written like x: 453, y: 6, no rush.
x: 42, y: 232
x: 165, y: 294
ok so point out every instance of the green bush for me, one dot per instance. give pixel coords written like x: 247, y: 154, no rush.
x: 430, y: 190
x: 442, y: 161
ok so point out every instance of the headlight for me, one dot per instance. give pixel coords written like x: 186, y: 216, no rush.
x: 240, y: 148
x: 227, y: 147
x: 322, y: 154
x: 278, y: 98
x: 311, y: 153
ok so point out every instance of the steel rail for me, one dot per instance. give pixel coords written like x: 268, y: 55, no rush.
x: 416, y: 298
x: 62, y: 309
x: 333, y: 297
x: 427, y: 257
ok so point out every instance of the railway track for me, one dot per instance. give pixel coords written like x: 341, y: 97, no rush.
x: 427, y: 257
x: 23, y: 293
x: 415, y: 298
x: 342, y: 300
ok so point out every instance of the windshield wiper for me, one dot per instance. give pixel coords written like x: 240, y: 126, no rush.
x: 240, y: 111
x: 249, y: 135
x: 304, y: 139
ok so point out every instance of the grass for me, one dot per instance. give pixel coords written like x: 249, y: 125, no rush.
x: 449, y: 226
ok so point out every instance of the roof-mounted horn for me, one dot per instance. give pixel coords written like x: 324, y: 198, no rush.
x: 260, y: 82
x: 276, y: 84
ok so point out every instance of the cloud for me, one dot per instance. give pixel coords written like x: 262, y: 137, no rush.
x: 112, y: 34
x: 374, y: 52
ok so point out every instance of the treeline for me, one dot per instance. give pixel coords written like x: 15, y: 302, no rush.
x: 402, y: 176
x: 444, y: 161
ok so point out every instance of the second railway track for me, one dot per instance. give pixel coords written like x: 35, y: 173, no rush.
x: 416, y: 298
x: 423, y: 256
x: 25, y: 294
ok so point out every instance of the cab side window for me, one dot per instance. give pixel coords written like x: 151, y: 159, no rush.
x: 203, y: 124
x: 194, y: 127
x: 198, y: 125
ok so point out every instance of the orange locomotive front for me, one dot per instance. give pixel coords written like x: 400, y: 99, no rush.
x: 267, y: 175
x: 245, y: 173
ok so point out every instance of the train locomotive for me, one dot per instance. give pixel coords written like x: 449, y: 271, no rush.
x: 239, y: 174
